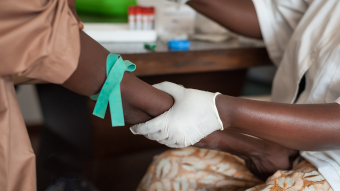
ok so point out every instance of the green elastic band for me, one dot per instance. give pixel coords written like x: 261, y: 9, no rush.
x: 110, y: 93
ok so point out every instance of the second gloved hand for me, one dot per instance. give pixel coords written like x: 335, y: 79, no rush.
x: 192, y: 117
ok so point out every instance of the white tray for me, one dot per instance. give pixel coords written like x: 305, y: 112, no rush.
x: 103, y: 32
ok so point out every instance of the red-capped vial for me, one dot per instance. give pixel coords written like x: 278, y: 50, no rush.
x: 145, y: 18
x: 132, y: 17
x: 152, y: 15
x: 138, y: 18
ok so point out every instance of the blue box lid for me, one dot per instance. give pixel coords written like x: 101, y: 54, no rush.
x: 179, y: 44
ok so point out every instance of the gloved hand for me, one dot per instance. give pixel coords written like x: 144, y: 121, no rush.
x: 192, y: 117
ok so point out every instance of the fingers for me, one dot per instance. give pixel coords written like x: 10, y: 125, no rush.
x: 176, y: 146
x: 174, y: 142
x: 150, y: 127
x: 181, y: 141
x: 143, y: 129
x: 170, y: 143
x: 160, y: 135
x: 173, y: 89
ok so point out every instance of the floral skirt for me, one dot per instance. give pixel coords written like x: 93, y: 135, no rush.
x: 191, y: 169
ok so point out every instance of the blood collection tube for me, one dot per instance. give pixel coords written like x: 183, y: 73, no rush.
x: 132, y: 17
x: 138, y: 18
x: 145, y: 18
x: 151, y: 18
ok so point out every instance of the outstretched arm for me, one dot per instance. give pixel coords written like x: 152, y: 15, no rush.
x: 195, y: 115
x: 302, y: 127
x: 237, y: 15
x: 141, y: 101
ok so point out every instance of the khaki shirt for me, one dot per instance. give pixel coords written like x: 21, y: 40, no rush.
x: 39, y: 39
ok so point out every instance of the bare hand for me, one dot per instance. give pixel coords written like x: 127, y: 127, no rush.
x: 263, y: 158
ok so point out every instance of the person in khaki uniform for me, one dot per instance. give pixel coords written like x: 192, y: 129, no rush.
x: 30, y: 31
x: 41, y: 40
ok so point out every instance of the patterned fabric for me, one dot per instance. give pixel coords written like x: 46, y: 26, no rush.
x: 191, y: 169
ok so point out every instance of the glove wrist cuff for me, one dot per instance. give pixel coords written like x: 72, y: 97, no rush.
x: 216, y: 111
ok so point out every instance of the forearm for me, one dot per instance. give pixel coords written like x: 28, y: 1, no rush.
x: 138, y: 96
x: 90, y: 74
x: 301, y: 127
x: 237, y: 15
x: 141, y: 101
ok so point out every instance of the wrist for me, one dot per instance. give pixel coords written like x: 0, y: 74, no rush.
x: 160, y: 102
x: 143, y: 96
x: 225, y: 108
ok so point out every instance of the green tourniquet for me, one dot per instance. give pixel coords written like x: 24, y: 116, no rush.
x: 110, y: 93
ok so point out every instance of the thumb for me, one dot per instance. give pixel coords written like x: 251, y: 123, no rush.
x: 149, y: 127
x: 174, y: 90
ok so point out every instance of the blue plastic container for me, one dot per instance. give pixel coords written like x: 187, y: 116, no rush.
x: 179, y: 45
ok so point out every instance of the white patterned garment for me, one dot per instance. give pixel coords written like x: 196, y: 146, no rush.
x: 303, y: 38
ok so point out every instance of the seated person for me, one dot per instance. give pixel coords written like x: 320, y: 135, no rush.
x: 302, y: 38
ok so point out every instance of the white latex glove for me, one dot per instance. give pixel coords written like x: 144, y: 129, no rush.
x: 192, y: 117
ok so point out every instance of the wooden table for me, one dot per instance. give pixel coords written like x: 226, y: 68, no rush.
x: 202, y: 57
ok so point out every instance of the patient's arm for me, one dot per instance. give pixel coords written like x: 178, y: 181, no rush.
x: 307, y: 127
x: 141, y: 101
x: 236, y: 15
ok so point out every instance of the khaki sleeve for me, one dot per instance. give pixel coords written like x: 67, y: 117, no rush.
x: 39, y: 39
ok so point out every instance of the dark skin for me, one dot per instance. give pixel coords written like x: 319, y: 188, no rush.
x: 299, y: 127
x: 263, y: 158
x: 142, y: 102
x: 310, y: 127
x: 236, y: 15
x: 313, y: 127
